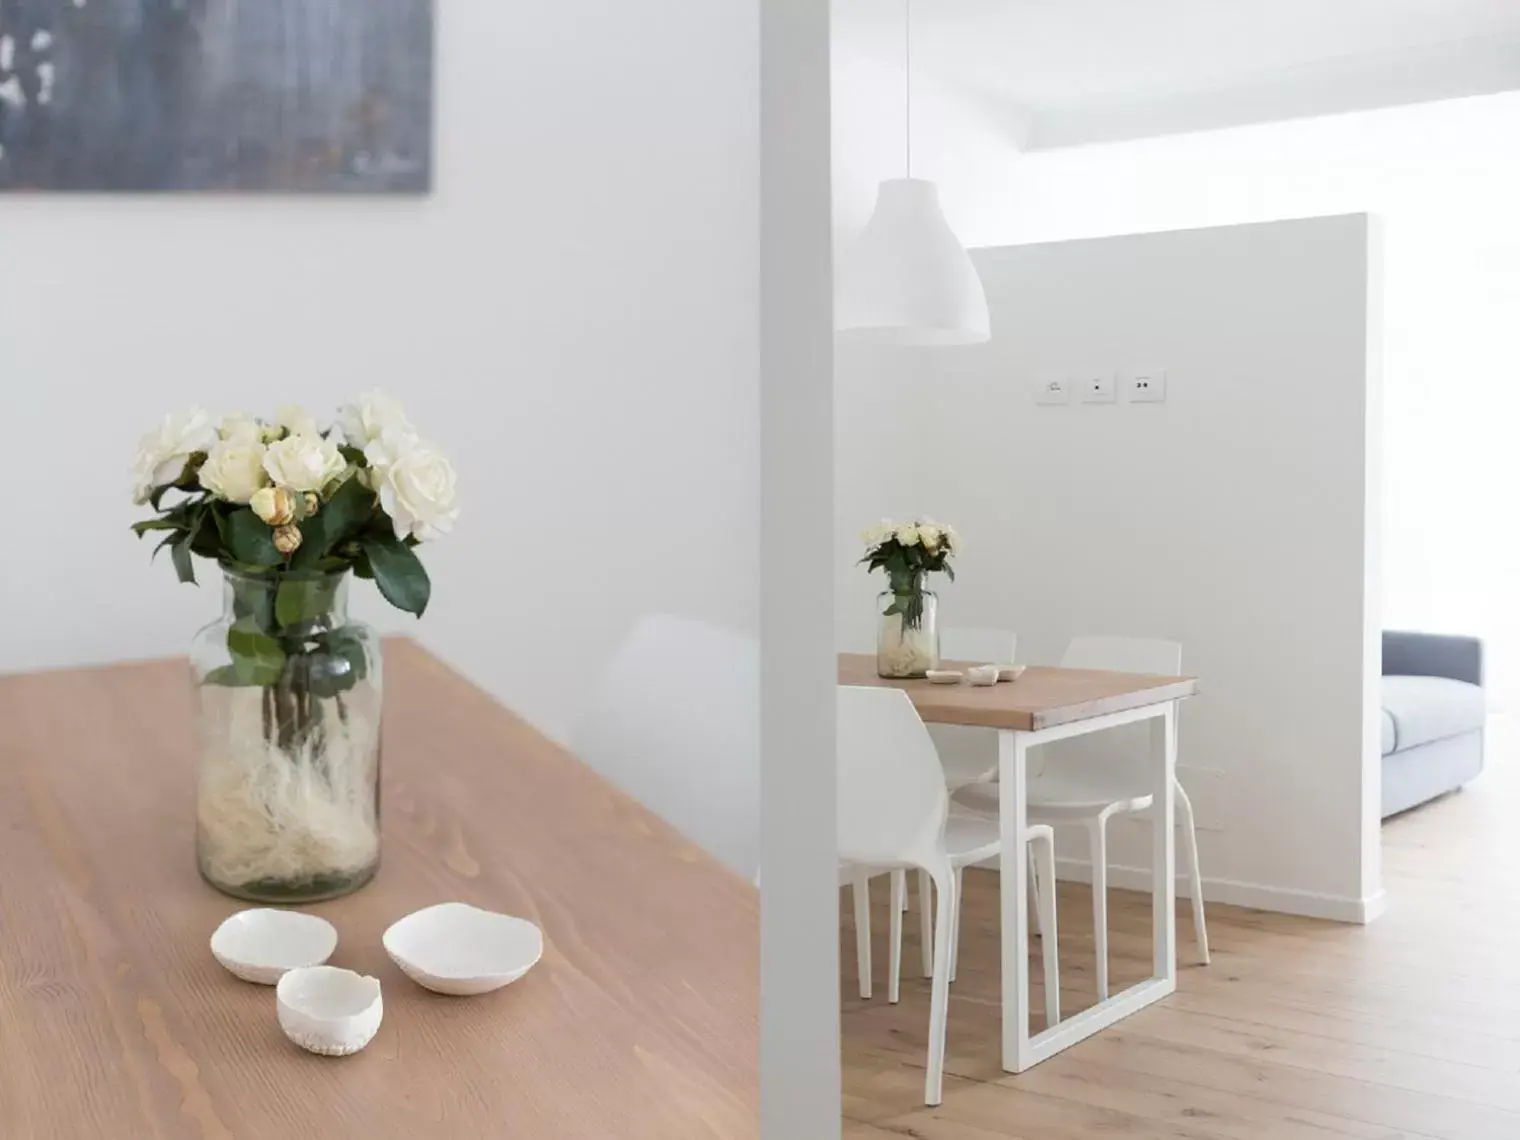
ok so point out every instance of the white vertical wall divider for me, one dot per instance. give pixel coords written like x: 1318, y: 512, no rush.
x: 799, y: 928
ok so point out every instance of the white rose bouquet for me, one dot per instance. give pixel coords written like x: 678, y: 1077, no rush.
x: 266, y: 498
x: 908, y: 552
x: 289, y: 688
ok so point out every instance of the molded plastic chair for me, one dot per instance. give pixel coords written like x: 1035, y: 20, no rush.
x: 688, y: 752
x: 1088, y: 783
x: 968, y: 755
x: 893, y: 808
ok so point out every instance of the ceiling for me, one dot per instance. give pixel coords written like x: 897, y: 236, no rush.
x: 1079, y: 71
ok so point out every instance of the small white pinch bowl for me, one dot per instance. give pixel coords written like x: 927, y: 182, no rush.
x: 456, y: 948
x: 983, y: 675
x: 1011, y: 672
x: 944, y: 676
x: 261, y: 945
x: 329, y: 1010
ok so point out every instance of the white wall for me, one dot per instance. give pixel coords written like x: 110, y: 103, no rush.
x: 1230, y: 518
x: 1445, y: 183
x: 573, y: 314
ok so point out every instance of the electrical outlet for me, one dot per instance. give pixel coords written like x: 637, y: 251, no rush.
x: 1148, y: 387
x: 1097, y: 388
x: 1053, y: 390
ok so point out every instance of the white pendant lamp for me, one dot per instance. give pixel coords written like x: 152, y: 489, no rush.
x: 907, y: 280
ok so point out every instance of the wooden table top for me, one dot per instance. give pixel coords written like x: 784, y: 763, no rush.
x: 116, y: 1022
x: 1042, y: 698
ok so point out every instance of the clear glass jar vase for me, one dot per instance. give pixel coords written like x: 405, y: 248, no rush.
x: 288, y: 799
x: 907, y: 635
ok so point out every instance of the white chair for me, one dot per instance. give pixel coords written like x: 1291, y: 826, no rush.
x: 1087, y: 782
x: 688, y: 752
x: 893, y: 809
x: 968, y: 755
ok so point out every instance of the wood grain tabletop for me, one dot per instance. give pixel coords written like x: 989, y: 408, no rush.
x: 1042, y: 698
x: 116, y: 1022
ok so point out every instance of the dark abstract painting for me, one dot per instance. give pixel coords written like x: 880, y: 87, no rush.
x: 314, y: 96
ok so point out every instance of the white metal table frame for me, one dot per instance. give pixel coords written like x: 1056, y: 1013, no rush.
x: 1022, y: 1051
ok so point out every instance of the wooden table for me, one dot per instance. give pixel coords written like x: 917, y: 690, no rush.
x: 1045, y: 705
x: 115, y: 1021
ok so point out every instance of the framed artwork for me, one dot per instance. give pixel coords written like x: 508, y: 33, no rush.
x: 302, y: 96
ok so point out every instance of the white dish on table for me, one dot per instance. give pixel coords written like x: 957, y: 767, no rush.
x: 456, y: 948
x: 260, y: 945
x: 944, y: 676
x: 1011, y: 672
x: 329, y: 1010
x: 983, y: 675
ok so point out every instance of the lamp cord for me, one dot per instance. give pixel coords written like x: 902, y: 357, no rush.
x: 908, y: 87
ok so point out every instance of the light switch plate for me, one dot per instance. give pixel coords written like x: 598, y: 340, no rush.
x: 1096, y: 387
x: 1053, y: 390
x: 1146, y: 387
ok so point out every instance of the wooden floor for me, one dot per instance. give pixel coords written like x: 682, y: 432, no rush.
x: 1299, y: 1030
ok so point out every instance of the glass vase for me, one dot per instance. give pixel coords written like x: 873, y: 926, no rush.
x: 907, y: 636
x: 288, y: 798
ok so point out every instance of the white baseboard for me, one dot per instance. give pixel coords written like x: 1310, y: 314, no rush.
x: 1253, y: 896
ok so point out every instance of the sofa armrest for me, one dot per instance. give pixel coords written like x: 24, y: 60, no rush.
x: 1432, y: 655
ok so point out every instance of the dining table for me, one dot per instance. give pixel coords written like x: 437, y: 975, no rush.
x: 640, y: 1020
x: 1043, y: 705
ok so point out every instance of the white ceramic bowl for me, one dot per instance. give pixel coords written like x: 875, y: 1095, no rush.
x: 944, y: 676
x: 1011, y: 672
x: 328, y: 1010
x: 455, y: 948
x: 983, y: 675
x: 261, y: 945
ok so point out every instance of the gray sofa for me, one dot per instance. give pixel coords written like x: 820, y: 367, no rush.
x: 1433, y: 712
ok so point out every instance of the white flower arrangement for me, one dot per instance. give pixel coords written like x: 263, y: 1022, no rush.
x: 266, y: 497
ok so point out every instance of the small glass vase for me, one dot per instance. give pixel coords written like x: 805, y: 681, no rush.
x: 288, y: 802
x: 907, y: 640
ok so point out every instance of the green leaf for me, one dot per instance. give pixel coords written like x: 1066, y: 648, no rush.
x: 257, y: 658
x: 949, y: 571
x: 184, y: 566
x: 222, y: 675
x: 336, y: 520
x: 250, y: 540
x: 142, y: 528
x: 402, y: 580
x: 299, y: 600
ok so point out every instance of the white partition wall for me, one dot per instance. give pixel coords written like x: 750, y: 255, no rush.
x: 1231, y: 517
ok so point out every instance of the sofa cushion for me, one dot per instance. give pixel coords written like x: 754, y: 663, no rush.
x: 1423, y: 709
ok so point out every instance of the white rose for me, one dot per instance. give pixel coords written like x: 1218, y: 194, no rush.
x: 296, y: 420
x: 415, y: 483
x: 234, y: 469
x: 368, y: 418
x: 930, y: 536
x: 163, y: 452
x: 304, y: 462
x: 907, y: 535
x: 240, y: 428
x: 952, y: 539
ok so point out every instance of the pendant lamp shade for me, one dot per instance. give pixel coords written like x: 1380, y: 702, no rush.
x: 907, y: 280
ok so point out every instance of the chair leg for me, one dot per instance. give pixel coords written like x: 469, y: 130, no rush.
x: 1099, y: 847
x: 955, y: 922
x: 894, y: 951
x: 861, y: 890
x: 1195, y: 873
x: 1043, y: 850
x: 939, y: 999
x: 925, y: 923
x: 1034, y: 894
